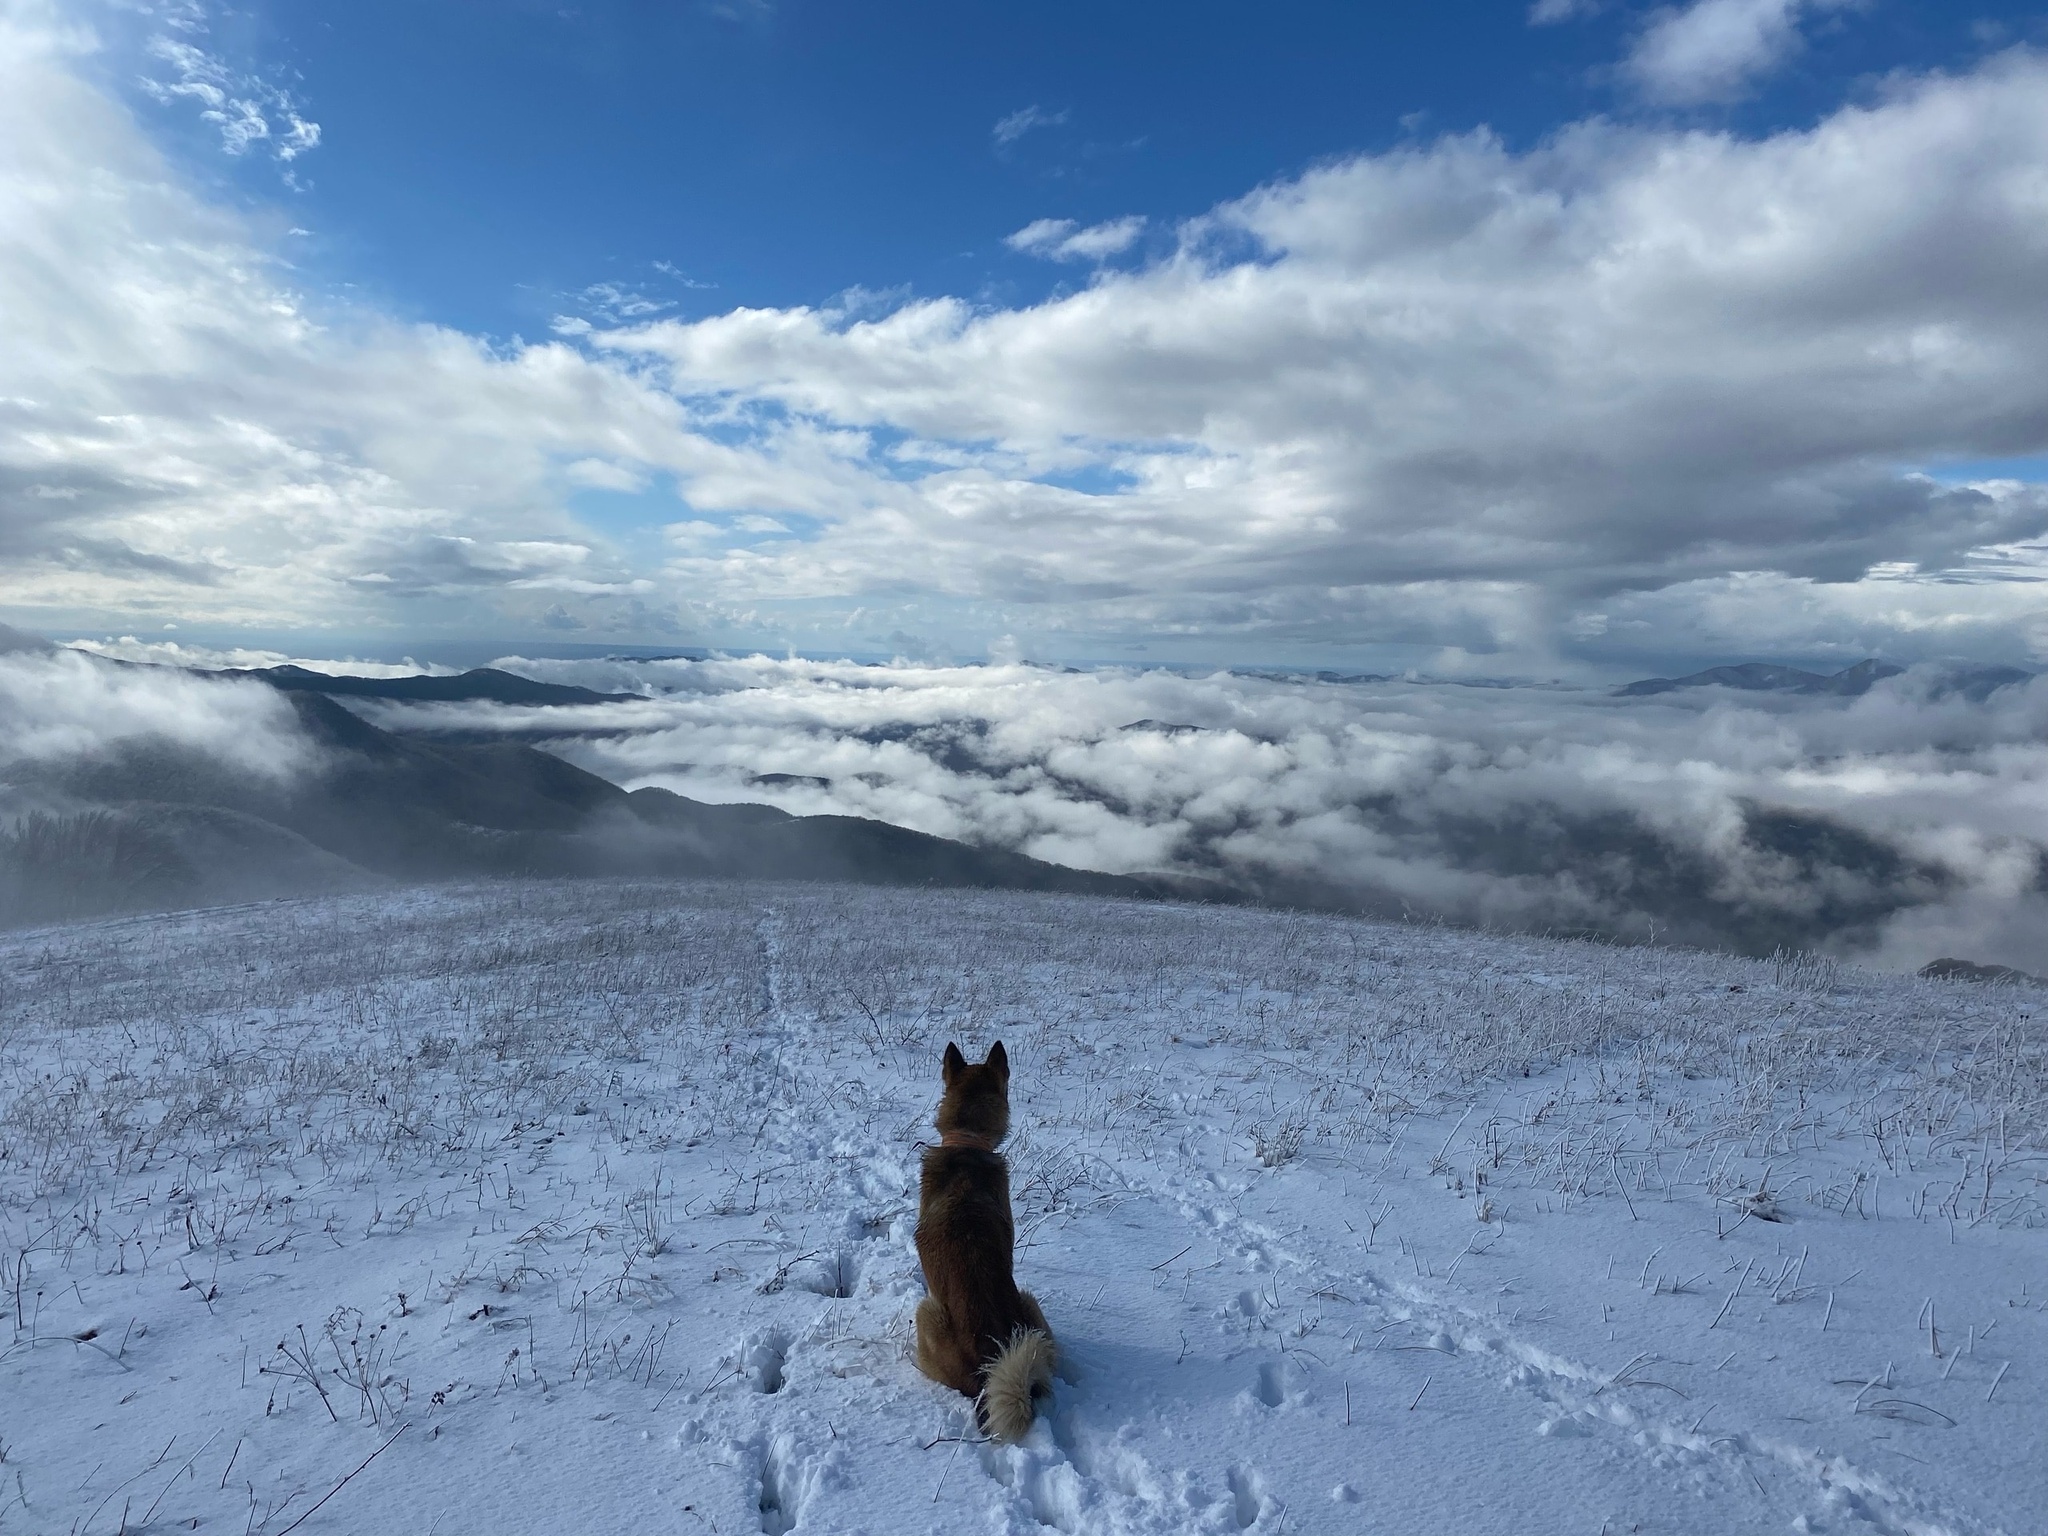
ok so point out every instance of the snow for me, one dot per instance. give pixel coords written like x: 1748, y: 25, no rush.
x: 599, y: 1198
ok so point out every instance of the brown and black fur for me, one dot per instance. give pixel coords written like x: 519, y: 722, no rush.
x: 976, y: 1332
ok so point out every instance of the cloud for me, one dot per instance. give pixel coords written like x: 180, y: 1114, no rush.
x: 603, y: 475
x: 679, y: 277
x: 1548, y: 13
x: 206, y: 658
x: 1064, y: 240
x: 181, y: 432
x: 1630, y: 397
x: 450, y: 564
x: 1892, y: 827
x: 65, y: 705
x: 1008, y: 130
x: 245, y: 109
x: 614, y: 302
x: 1885, y: 827
x: 1713, y: 50
x: 1464, y: 390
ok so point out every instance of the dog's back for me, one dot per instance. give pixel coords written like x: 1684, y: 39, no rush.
x: 976, y: 1332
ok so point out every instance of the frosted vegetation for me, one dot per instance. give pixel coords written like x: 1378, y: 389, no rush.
x: 599, y: 1196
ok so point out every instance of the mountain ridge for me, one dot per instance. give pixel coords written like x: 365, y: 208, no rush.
x: 151, y: 825
x: 1975, y: 681
x: 492, y: 684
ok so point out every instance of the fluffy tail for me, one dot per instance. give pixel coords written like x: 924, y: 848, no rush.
x: 1013, y: 1383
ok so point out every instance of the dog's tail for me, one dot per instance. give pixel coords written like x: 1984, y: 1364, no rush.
x: 1014, y: 1382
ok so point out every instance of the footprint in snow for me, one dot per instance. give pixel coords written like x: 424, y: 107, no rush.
x: 1272, y: 1384
x: 763, y: 1357
x: 785, y: 1479
x: 1064, y: 1476
x: 869, y: 1226
x: 832, y: 1275
x: 777, y: 1502
x: 1040, y: 1478
x: 1248, y: 1496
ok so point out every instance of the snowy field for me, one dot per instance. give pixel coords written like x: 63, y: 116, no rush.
x: 588, y: 1208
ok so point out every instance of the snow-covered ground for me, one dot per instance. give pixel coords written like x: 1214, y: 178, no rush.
x: 588, y: 1208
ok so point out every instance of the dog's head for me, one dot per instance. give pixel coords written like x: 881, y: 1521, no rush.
x: 977, y: 1098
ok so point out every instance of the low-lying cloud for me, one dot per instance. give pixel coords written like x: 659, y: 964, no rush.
x: 1897, y: 826
x: 212, y: 658
x: 126, y: 788
x: 1893, y: 827
x: 62, y: 705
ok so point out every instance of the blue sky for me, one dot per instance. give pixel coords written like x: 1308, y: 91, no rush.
x: 483, y: 163
x: 1576, y: 338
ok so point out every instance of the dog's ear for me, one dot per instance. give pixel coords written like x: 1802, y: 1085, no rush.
x: 999, y: 1059
x: 954, y: 1064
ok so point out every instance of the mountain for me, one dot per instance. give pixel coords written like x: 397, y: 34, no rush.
x: 487, y: 683
x: 13, y: 641
x: 1970, y: 680
x: 762, y: 842
x: 158, y: 826
x: 1769, y: 677
x: 478, y: 683
x: 1976, y: 683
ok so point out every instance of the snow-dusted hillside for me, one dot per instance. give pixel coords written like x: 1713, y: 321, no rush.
x: 588, y: 1208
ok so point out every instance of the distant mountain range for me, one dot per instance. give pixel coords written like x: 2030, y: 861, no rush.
x: 478, y: 683
x: 485, y: 683
x: 1975, y: 682
x: 424, y: 795
x: 155, y: 826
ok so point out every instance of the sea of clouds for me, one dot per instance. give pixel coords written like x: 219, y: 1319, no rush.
x: 1895, y: 827
x: 1898, y: 826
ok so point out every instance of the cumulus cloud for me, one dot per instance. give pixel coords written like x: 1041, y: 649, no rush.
x: 603, y: 475
x: 1064, y: 240
x: 181, y: 432
x: 1891, y: 827
x: 1713, y: 50
x: 1630, y: 393
x: 1468, y: 391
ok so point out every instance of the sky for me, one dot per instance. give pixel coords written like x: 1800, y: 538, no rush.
x: 1582, y: 340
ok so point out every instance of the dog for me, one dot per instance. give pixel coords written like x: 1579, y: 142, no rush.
x: 976, y: 1332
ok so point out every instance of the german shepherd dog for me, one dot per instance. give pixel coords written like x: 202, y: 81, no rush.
x: 976, y: 1332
